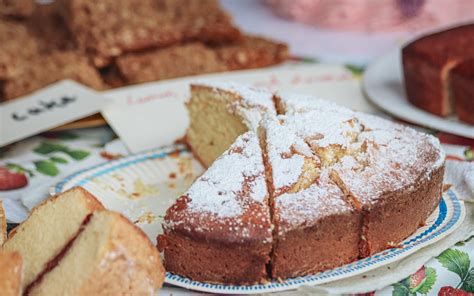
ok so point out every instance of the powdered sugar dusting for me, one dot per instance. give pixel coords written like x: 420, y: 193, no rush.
x: 334, y: 128
x: 251, y: 116
x: 220, y: 190
x: 292, y: 103
x: 383, y: 168
x: 306, y: 207
x: 286, y: 153
x: 377, y: 157
x: 251, y: 96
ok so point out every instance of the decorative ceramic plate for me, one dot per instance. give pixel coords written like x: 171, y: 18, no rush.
x: 383, y: 85
x: 143, y: 186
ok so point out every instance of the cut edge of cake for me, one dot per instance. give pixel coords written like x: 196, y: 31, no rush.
x: 11, y: 273
x: 232, y: 217
x: 75, y: 204
x: 108, y: 255
x: 356, y: 131
x: 219, y: 113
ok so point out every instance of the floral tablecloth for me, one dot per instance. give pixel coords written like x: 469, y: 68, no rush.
x: 50, y: 157
x: 32, y: 166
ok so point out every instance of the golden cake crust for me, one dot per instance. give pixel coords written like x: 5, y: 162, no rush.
x: 225, y: 215
x: 342, y: 185
x: 11, y: 273
x: 126, y: 263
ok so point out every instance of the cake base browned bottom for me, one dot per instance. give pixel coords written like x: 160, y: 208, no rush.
x: 399, y: 214
x: 332, y: 242
x: 216, y: 263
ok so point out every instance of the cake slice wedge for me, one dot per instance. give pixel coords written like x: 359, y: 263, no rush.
x: 219, y: 113
x: 49, y: 227
x: 398, y: 174
x: 107, y: 256
x: 315, y: 229
x: 220, y: 229
x: 306, y: 206
x: 11, y: 273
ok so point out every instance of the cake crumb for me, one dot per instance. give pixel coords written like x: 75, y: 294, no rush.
x: 147, y: 218
x: 110, y: 156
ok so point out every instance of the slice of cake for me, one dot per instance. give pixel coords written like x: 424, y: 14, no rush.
x: 397, y: 173
x: 462, y: 90
x: 108, y: 255
x: 11, y: 273
x: 306, y: 206
x: 427, y: 63
x: 220, y: 229
x: 48, y: 228
x: 3, y: 225
x: 219, y: 113
x: 315, y: 230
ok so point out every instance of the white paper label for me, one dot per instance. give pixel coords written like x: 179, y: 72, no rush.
x: 57, y: 104
x: 152, y: 115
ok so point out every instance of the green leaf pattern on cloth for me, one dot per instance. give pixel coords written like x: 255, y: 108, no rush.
x: 78, y: 154
x: 48, y: 167
x: 468, y: 284
x: 450, y: 272
x: 455, y: 261
x: 49, y: 147
x: 58, y: 159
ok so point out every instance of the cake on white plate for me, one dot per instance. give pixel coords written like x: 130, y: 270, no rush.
x: 340, y: 185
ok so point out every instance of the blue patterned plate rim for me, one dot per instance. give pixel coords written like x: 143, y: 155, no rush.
x: 437, y: 230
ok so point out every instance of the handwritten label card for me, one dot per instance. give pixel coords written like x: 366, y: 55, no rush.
x: 152, y: 115
x: 57, y: 104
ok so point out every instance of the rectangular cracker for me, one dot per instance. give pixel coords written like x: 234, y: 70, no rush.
x: 109, y: 28
x: 197, y: 58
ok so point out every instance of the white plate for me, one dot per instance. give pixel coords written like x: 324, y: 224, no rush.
x: 383, y: 84
x: 143, y: 186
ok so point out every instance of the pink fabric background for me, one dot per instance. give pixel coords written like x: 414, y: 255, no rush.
x: 375, y: 15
